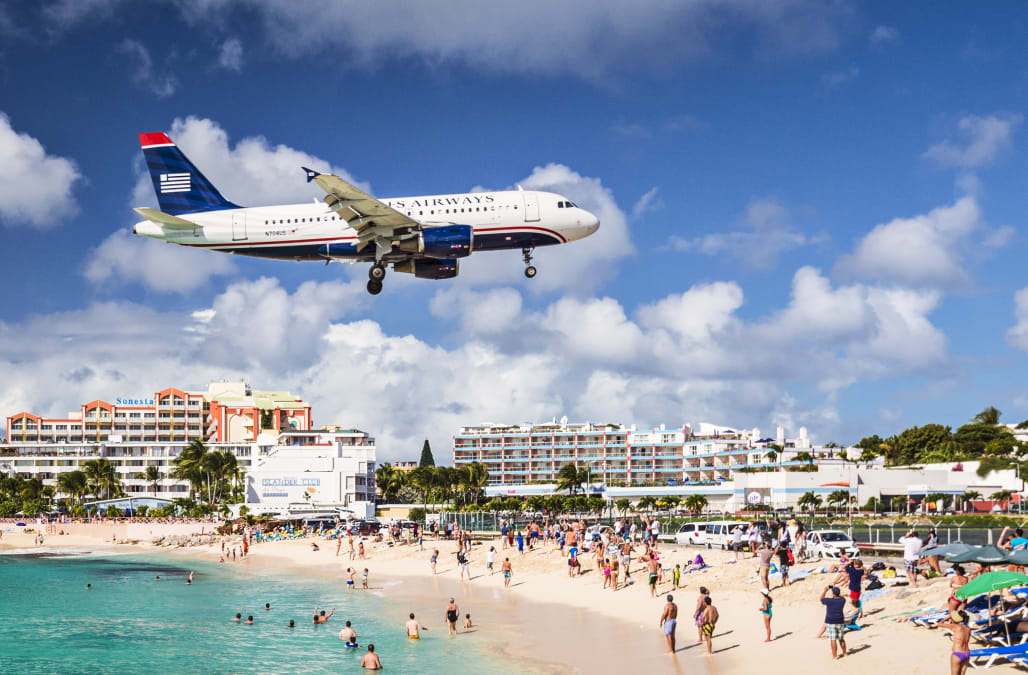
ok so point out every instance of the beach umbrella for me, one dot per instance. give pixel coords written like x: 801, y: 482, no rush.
x: 947, y: 550
x: 989, y: 554
x: 1018, y: 557
x: 991, y: 581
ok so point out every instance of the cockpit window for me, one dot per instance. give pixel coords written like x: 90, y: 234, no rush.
x: 560, y: 205
x: 566, y: 205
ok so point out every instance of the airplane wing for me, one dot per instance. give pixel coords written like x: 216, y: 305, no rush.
x: 165, y: 219
x: 374, y: 220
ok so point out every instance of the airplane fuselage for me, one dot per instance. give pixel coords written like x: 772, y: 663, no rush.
x: 515, y: 219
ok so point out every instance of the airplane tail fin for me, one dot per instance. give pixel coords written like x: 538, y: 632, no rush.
x: 179, y: 185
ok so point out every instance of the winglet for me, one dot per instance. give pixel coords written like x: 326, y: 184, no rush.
x: 311, y: 173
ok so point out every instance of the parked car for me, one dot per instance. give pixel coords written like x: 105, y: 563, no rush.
x: 719, y: 532
x: 830, y: 543
x: 367, y: 527
x: 692, y: 533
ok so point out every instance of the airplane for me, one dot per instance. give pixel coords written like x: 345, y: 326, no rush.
x: 424, y: 236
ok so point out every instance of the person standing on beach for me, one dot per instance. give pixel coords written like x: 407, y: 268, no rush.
x: 349, y: 578
x: 960, y: 654
x: 490, y: 560
x: 364, y: 579
x: 339, y: 545
x: 521, y: 543
x: 764, y: 569
x: 854, y: 572
x: 698, y: 614
x: 654, y: 567
x: 709, y: 618
x: 911, y: 555
x: 783, y: 560
x: 353, y: 553
x: 507, y: 572
x: 737, y: 534
x: 765, y: 611
x: 835, y: 626
x: 360, y: 551
x: 462, y: 562
x: 669, y: 621
x: 370, y: 660
x: 452, y: 614
x: 433, y: 558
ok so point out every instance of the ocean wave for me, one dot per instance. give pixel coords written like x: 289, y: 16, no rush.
x: 48, y: 552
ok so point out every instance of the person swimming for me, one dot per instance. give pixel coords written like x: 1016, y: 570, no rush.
x: 349, y: 635
x: 239, y: 617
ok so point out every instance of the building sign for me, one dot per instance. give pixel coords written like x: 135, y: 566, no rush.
x: 133, y: 401
x: 290, y: 482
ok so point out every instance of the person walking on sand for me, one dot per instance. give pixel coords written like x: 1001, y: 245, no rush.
x: 360, y: 551
x: 710, y: 616
x: 653, y: 566
x: 433, y: 558
x: 339, y: 545
x: 698, y: 614
x: 783, y: 560
x: 371, y: 660
x: 960, y: 654
x: 452, y: 614
x: 353, y: 553
x: 835, y: 625
x: 490, y: 560
x: 911, y: 555
x: 414, y: 628
x: 765, y: 611
x: 669, y: 621
x: 764, y: 569
x: 507, y: 572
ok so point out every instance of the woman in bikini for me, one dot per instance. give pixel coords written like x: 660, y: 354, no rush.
x: 961, y: 654
x: 956, y: 582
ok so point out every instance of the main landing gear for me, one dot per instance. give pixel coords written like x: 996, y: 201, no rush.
x: 527, y: 257
x: 375, y: 276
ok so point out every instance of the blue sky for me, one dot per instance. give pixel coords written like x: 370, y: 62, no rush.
x: 812, y: 212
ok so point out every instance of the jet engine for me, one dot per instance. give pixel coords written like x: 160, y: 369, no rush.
x: 428, y: 268
x: 442, y: 241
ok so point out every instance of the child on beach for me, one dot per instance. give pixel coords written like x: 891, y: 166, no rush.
x: 676, y: 576
x: 606, y: 572
x: 434, y: 557
x: 364, y: 579
x: 467, y: 621
x: 507, y: 572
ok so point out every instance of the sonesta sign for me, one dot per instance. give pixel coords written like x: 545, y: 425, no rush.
x: 133, y: 401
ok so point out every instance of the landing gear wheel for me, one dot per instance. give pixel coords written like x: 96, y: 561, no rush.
x: 377, y: 273
x: 526, y: 255
x: 530, y: 271
x: 374, y: 287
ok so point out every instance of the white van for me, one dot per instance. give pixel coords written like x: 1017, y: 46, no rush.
x: 692, y: 533
x: 719, y: 533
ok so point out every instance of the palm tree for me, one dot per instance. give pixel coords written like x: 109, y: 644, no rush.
x: 389, y: 481
x: 623, y: 505
x: 988, y: 416
x: 838, y: 497
x: 569, y: 478
x: 73, y: 484
x: 646, y: 503
x: 536, y: 503
x: 423, y: 480
x: 772, y: 454
x: 478, y: 479
x: 1002, y: 496
x: 804, y: 456
x: 670, y: 502
x: 809, y: 501
x: 153, y: 476
x: 189, y: 466
x: 102, y: 478
x: 696, y: 503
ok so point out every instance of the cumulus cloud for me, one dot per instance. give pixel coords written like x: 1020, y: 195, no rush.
x: 649, y: 202
x: 129, y: 259
x: 688, y: 355
x: 922, y: 250
x: 882, y: 35
x: 35, y: 187
x: 982, y: 139
x: 770, y: 232
x: 144, y: 75
x: 231, y: 55
x: 253, y: 172
x: 1017, y: 336
x: 539, y: 37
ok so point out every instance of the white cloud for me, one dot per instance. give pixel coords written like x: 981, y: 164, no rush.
x: 539, y: 37
x: 1000, y: 236
x: 883, y: 35
x: 35, y: 187
x: 231, y: 55
x: 770, y: 233
x: 683, y: 357
x: 252, y: 173
x: 648, y: 203
x: 924, y: 250
x: 982, y: 140
x: 840, y: 77
x: 130, y: 259
x: 1017, y: 336
x: 161, y: 85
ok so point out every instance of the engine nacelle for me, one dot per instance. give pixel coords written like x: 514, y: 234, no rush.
x: 443, y: 241
x: 429, y: 268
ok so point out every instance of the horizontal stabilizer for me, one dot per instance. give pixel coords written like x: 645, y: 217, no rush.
x: 165, y: 220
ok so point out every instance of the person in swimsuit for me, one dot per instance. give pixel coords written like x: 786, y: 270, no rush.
x: 414, y: 628
x: 653, y: 566
x: 698, y: 614
x: 467, y: 621
x: 765, y: 610
x: 370, y: 660
x: 452, y: 613
x: 709, y: 618
x: 433, y: 558
x: 364, y: 579
x: 669, y: 621
x: 606, y: 572
x: 349, y: 635
x: 349, y: 578
x: 955, y: 583
x: 321, y: 618
x: 960, y: 655
x: 507, y: 572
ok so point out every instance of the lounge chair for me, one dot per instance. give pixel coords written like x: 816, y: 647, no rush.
x: 1016, y: 654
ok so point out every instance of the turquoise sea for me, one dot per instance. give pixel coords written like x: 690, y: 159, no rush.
x: 131, y: 623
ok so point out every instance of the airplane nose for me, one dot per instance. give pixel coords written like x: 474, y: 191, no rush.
x: 592, y: 224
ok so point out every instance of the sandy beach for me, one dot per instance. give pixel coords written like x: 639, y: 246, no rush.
x: 548, y: 622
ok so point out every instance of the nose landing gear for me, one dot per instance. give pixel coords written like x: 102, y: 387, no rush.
x: 527, y: 257
x: 375, y: 276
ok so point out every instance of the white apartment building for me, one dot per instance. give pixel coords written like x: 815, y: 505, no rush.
x: 618, y: 455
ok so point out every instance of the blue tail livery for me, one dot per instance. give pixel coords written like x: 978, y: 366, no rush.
x: 179, y: 185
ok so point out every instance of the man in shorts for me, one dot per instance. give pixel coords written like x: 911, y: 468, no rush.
x: 653, y: 566
x: 835, y: 626
x: 911, y: 555
x: 737, y: 540
x: 765, y: 554
x: 669, y: 621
